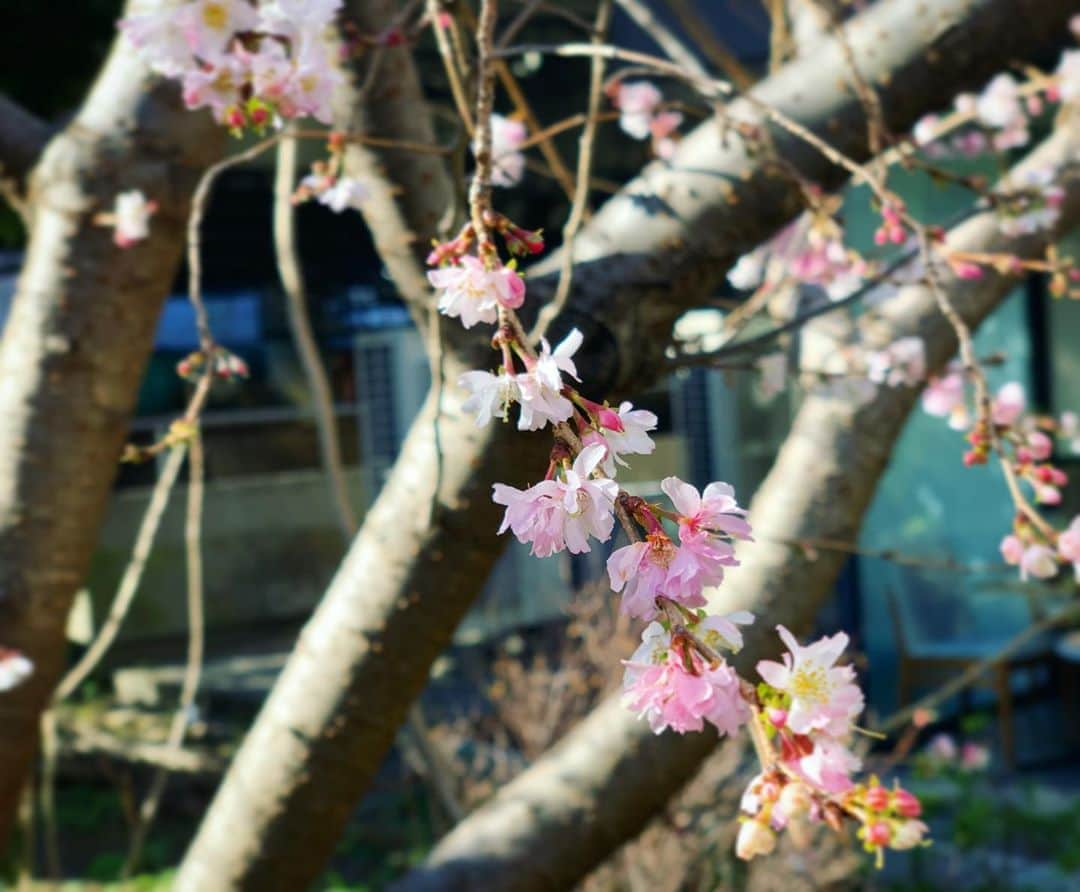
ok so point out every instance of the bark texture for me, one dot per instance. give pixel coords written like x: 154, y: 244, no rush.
x: 71, y: 360
x: 651, y: 253
x: 601, y: 785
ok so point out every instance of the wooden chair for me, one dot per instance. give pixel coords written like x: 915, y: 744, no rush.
x: 959, y: 639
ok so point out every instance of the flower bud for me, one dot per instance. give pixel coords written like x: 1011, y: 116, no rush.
x: 777, y: 716
x: 795, y: 800
x: 754, y: 839
x: 878, y: 834
x: 877, y: 798
x: 609, y: 419
x: 908, y: 835
x: 906, y: 803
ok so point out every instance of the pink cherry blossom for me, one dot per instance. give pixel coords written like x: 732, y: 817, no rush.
x: 824, y: 696
x: 131, y: 214
x: 490, y: 395
x: 293, y: 18
x: 672, y: 687
x: 998, y: 105
x: 541, y: 396
x: 942, y: 748
x: 1038, y: 561
x: 713, y: 512
x: 344, y: 193
x: 558, y: 514
x: 641, y: 568
x: 1069, y: 542
x: 508, y: 163
x: 974, y: 757
x: 473, y: 293
x: 1012, y: 549
x: 1039, y: 445
x: 637, y: 102
x: 829, y: 765
x: 14, y: 668
x: 1009, y: 404
x: 158, y: 39
x: 210, y: 25
x: 903, y: 362
x: 944, y: 396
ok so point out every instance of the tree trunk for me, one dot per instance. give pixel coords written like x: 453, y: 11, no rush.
x: 73, y: 352
x: 602, y: 783
x: 651, y: 253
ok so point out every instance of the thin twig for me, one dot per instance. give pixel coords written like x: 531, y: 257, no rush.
x: 296, y: 299
x: 663, y: 36
x: 199, y: 203
x: 193, y: 670
x: 453, y: 75
x: 974, y: 672
x: 131, y: 578
x: 580, y: 201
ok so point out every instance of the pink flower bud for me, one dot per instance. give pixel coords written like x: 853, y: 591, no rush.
x: 877, y: 798
x: 777, y: 716
x: 878, y: 834
x: 907, y: 803
x: 1012, y: 549
x: 609, y: 419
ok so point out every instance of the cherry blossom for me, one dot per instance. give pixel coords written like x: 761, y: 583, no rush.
x: 824, y: 697
x: 754, y: 839
x: 344, y: 193
x: 490, y: 395
x: 1038, y: 561
x: 1068, y: 75
x: 1009, y: 404
x: 1012, y: 549
x: 944, y: 396
x: 623, y: 432
x: 473, y: 293
x: 541, y: 396
x: 558, y: 514
x: 131, y: 216
x: 903, y: 362
x: 671, y: 686
x: 748, y: 272
x: 508, y: 163
x: 715, y: 511
x: 829, y: 765
x: 1039, y: 209
x: 14, y: 668
x: 637, y: 102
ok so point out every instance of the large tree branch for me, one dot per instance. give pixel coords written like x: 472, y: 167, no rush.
x: 646, y: 257
x: 22, y: 138
x: 80, y: 330
x: 603, y: 782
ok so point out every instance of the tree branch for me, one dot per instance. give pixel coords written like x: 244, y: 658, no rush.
x: 22, y: 139
x: 80, y: 330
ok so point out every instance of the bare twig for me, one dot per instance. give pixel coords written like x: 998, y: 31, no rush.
x: 975, y: 671
x: 193, y: 669
x: 296, y: 298
x: 453, y: 74
x: 663, y: 36
x: 584, y: 171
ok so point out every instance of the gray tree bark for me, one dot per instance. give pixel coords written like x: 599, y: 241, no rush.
x: 651, y: 253
x: 73, y: 351
x: 603, y: 782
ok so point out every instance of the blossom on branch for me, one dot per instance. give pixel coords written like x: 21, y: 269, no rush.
x: 131, y: 218
x: 473, y: 293
x: 14, y: 668
x: 562, y: 513
x: 824, y: 696
x: 672, y: 686
x: 507, y: 161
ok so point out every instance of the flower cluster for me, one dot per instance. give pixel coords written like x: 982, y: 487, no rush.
x: 642, y: 115
x: 507, y: 159
x: 670, y: 684
x: 225, y: 365
x: 248, y: 64
x: 809, y: 705
x: 1025, y: 443
x: 811, y: 253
